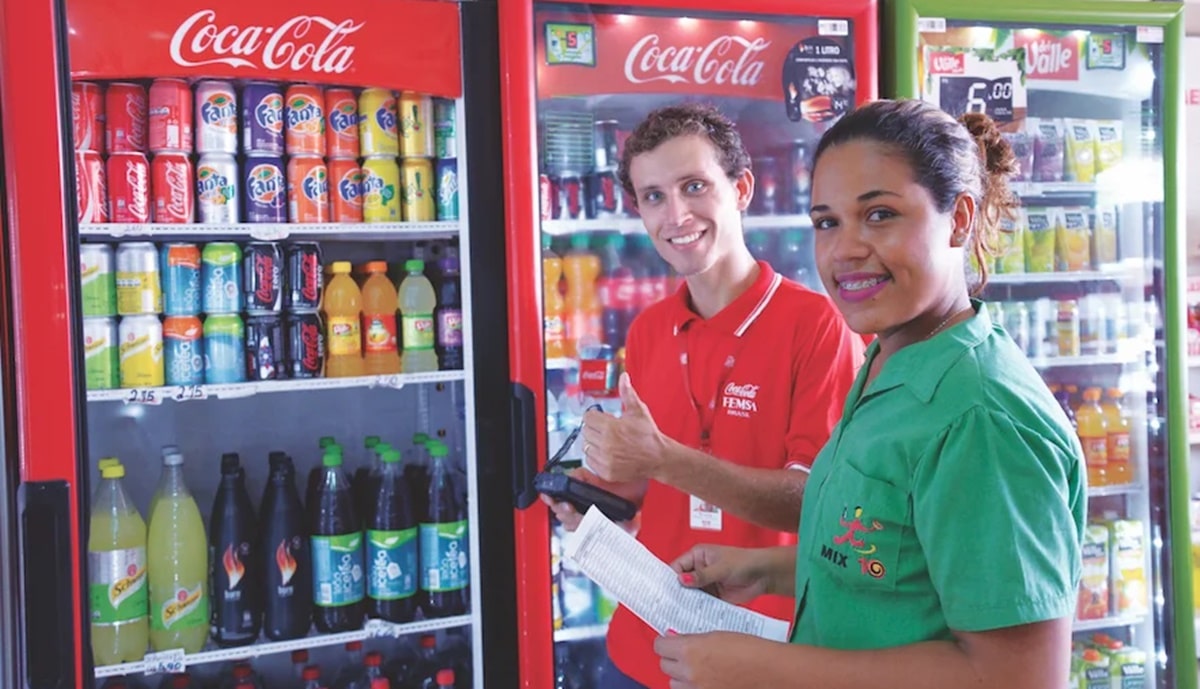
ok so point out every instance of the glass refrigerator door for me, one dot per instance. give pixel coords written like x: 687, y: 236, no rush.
x: 784, y: 80
x: 1079, y: 284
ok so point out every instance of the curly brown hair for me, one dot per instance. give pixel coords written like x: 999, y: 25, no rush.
x: 688, y: 119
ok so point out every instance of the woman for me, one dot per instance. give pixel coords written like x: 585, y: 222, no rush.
x: 941, y: 525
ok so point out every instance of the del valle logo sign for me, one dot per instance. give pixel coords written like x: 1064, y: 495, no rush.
x: 1049, y: 56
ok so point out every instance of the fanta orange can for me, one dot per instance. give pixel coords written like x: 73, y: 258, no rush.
x: 308, y: 190
x: 345, y: 190
x: 341, y: 123
x: 304, y: 120
x: 381, y: 189
x: 377, y: 123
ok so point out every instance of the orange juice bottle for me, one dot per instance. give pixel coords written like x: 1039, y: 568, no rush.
x: 380, y: 353
x: 583, y: 309
x: 552, y: 309
x: 343, y: 308
x: 1120, y: 469
x: 1093, y: 435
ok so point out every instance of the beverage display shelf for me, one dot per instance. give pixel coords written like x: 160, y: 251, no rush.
x: 1119, y: 359
x: 188, y: 393
x: 1122, y: 489
x: 562, y: 363
x: 634, y: 225
x: 1115, y: 272
x: 273, y: 232
x: 1107, y: 623
x: 592, y: 631
x: 1043, y: 189
x: 177, y: 661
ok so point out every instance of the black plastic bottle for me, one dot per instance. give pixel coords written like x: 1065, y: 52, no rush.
x: 287, y: 581
x: 391, y: 545
x: 339, y: 581
x: 448, y: 316
x: 234, y: 559
x: 445, y: 568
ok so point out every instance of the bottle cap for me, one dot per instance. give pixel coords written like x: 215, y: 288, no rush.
x: 420, y: 438
x: 579, y: 240
x: 438, y: 449
x: 241, y: 671
x: 170, y: 450
x: 183, y: 681
x: 547, y: 240
x: 325, y: 441
x: 381, y: 448
x: 445, y: 678
x: 377, y: 267
x: 332, y: 459
x: 300, y: 656
x: 1115, y: 393
x: 370, y: 441
x: 230, y: 463
x: 374, y: 659
x: 112, y: 471
x: 414, y: 265
x: 173, y: 459
x: 107, y: 462
x: 312, y: 672
x: 335, y: 449
x: 341, y: 268
x: 390, y: 457
x: 429, y: 641
x: 354, y: 646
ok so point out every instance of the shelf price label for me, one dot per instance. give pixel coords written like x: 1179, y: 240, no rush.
x: 151, y: 396
x: 962, y: 81
x: 395, y: 381
x: 379, y: 629
x: 269, y: 232
x: 186, y: 393
x: 165, y: 662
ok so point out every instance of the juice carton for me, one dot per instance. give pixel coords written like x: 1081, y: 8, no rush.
x: 1039, y: 241
x: 1130, y: 589
x: 1047, y: 149
x: 1110, y: 145
x: 1093, y: 588
x: 1022, y: 147
x: 1010, y: 245
x: 1080, y: 162
x: 1104, y: 236
x: 1096, y: 670
x: 1073, y: 233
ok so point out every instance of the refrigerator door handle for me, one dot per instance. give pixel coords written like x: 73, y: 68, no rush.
x: 524, y: 445
x: 48, y: 618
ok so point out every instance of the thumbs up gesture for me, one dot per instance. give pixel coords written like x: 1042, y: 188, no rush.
x: 625, y: 449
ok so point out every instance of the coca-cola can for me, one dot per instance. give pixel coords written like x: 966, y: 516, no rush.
x: 265, y: 358
x: 604, y: 199
x: 548, y: 196
x: 91, y: 191
x: 304, y: 344
x: 799, y: 178
x: 125, y: 118
x: 262, y: 277
x: 304, y: 278
x: 216, y: 117
x: 128, y: 188
x: 605, y: 140
x: 265, y: 189
x: 572, y: 204
x: 173, y: 189
x: 170, y: 116
x: 262, y: 117
x: 87, y: 116
x: 766, y: 187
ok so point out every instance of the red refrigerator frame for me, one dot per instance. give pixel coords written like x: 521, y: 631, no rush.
x: 526, y: 359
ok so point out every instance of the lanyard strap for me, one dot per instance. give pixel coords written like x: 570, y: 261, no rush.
x: 706, y: 415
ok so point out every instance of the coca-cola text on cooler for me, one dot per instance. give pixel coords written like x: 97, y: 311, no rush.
x: 726, y: 60
x: 128, y: 188
x: 302, y: 42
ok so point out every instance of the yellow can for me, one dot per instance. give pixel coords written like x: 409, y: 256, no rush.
x: 141, y: 352
x: 417, y: 184
x: 381, y: 189
x: 416, y: 125
x: 377, y: 123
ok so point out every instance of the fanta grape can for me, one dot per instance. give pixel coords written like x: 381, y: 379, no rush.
x: 416, y: 185
x: 447, y: 189
x: 101, y: 361
x: 98, y: 281
x: 377, y: 123
x: 308, y: 190
x: 224, y: 349
x: 180, y: 264
x: 416, y: 125
x: 170, y: 116
x: 139, y: 285
x: 141, y: 352
x: 91, y: 187
x: 345, y: 190
x: 128, y: 188
x: 304, y: 120
x: 265, y: 189
x: 216, y: 117
x: 125, y: 118
x: 262, y: 118
x: 174, y: 192
x: 217, y: 188
x: 87, y: 116
x: 381, y: 189
x: 221, y: 277
x: 341, y: 130
x: 183, y: 350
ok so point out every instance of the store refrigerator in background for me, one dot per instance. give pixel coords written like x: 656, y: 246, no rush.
x: 246, y: 257
x: 579, y: 77
x: 1090, y: 280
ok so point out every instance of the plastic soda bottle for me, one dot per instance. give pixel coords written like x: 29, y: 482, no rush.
x: 553, y: 326
x: 287, y: 571
x: 416, y: 473
x: 448, y: 315
x: 380, y: 353
x: 1120, y: 469
x: 235, y: 558
x: 584, y: 312
x: 117, y: 566
x: 343, y: 307
x: 417, y: 303
x: 1093, y: 435
x: 362, y: 475
x: 337, y: 551
x: 352, y: 669
x: 445, y: 574
x: 177, y: 559
x: 391, y: 545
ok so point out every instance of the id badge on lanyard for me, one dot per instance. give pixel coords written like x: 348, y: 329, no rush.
x: 703, y: 516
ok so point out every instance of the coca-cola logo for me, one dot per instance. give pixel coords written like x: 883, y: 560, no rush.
x: 746, y: 391
x: 625, y: 292
x: 350, y: 187
x: 264, y: 274
x: 266, y: 185
x: 343, y: 120
x: 316, y: 185
x: 136, y: 109
x: 310, y: 278
x: 947, y: 63
x: 175, y: 174
x: 310, y: 339
x: 386, y: 116
x: 269, y: 113
x: 1050, y: 57
x: 726, y: 60
x: 304, y: 114
x: 139, y: 190
x: 303, y: 42
x: 594, y: 374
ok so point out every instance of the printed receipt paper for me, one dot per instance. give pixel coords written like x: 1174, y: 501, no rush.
x: 651, y: 589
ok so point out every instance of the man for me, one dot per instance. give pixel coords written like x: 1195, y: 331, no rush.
x: 731, y: 385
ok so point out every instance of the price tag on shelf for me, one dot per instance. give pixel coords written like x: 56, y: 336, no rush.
x: 394, y: 381
x: 379, y: 629
x: 833, y: 27
x: 961, y: 81
x: 186, y: 393
x: 1150, y: 34
x: 165, y: 662
x: 269, y: 232
x: 931, y: 25
x: 152, y: 396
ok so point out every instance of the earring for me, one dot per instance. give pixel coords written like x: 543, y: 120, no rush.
x: 958, y: 238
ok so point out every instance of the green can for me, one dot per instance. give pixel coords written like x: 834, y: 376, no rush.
x: 445, y: 135
x: 102, y: 367
x: 98, y: 280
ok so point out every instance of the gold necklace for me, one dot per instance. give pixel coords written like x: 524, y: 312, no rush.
x: 949, y: 318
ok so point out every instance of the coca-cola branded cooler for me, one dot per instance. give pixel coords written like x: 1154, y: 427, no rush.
x: 581, y: 266
x: 209, y: 163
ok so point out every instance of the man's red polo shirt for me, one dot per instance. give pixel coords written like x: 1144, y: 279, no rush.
x: 793, y: 362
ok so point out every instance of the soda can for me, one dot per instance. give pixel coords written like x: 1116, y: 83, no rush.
x: 305, y: 281
x: 445, y: 128
x: 262, y: 277
x: 264, y: 348
x: 216, y: 117
x: 217, y: 188
x: 265, y: 189
x: 766, y: 187
x: 173, y: 190
x: 345, y: 190
x: 262, y: 118
x: 87, y: 116
x: 571, y: 197
x: 98, y: 280
x: 604, y: 198
x: 180, y: 265
x: 799, y: 178
x: 381, y: 189
x: 604, y: 141
x: 341, y: 128
x: 416, y: 185
x: 221, y: 277
x: 304, y: 120
x: 91, y: 187
x: 170, y: 116
x: 128, y: 179
x: 447, y: 189
x: 377, y: 123
x: 183, y: 344
x: 416, y: 124
x: 304, y: 344
x: 139, y: 285
x: 547, y: 196
x: 224, y: 349
x: 125, y: 118
x: 308, y: 190
x: 141, y: 352
x: 101, y: 361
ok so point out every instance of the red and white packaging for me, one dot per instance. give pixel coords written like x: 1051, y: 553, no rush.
x: 87, y: 116
x: 128, y: 188
x: 125, y: 118
x: 173, y: 189
x: 170, y: 116
x: 91, y: 192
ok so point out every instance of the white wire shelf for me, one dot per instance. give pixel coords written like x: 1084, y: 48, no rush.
x: 1121, y: 489
x: 272, y: 231
x: 1119, y: 359
x: 1107, y: 623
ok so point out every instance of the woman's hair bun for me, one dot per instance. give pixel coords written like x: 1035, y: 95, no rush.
x: 994, y: 151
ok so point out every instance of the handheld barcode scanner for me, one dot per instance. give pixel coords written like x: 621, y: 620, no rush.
x: 578, y: 494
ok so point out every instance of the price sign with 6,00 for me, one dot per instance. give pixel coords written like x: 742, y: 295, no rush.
x: 962, y: 94
x: 962, y: 81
